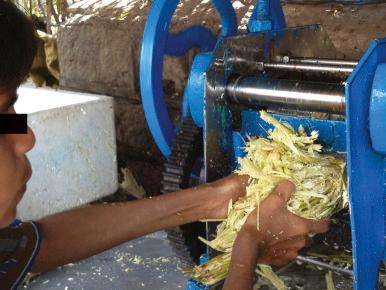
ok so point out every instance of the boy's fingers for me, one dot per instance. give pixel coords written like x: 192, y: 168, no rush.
x: 318, y: 227
x: 285, y: 189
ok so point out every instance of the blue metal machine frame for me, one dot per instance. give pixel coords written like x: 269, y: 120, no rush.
x: 365, y: 164
x: 158, y: 42
x: 362, y: 136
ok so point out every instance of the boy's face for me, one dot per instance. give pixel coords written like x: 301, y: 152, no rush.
x: 15, y: 169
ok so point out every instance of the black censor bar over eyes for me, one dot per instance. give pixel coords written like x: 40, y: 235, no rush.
x: 13, y: 124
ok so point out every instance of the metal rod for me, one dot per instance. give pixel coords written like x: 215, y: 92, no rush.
x: 288, y: 94
x: 324, y: 265
x: 321, y: 61
x: 329, y: 69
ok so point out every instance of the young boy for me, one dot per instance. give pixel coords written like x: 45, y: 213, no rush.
x: 79, y: 233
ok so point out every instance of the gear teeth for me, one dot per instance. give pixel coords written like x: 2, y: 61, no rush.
x: 174, y: 170
x: 172, y: 177
x: 185, y: 150
x: 169, y: 187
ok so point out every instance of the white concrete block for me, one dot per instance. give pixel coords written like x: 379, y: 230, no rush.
x: 74, y: 159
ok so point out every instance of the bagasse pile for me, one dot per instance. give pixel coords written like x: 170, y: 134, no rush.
x: 285, y: 155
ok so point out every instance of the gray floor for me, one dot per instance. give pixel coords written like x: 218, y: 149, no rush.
x: 149, y: 263
x: 145, y: 263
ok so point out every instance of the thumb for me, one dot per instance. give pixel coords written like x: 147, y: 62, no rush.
x: 284, y: 190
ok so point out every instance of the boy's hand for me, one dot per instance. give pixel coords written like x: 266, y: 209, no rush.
x: 281, y: 234
x: 222, y: 191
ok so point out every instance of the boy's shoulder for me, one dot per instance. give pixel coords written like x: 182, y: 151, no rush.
x: 19, y: 245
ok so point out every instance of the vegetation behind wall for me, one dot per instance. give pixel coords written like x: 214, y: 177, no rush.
x: 47, y: 13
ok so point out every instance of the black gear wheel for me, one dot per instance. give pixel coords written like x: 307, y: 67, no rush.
x: 185, y: 151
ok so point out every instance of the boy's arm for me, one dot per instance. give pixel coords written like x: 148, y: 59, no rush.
x: 245, y: 255
x: 86, y: 231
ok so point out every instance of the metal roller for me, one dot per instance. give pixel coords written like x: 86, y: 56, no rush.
x: 296, y: 95
x: 336, y: 71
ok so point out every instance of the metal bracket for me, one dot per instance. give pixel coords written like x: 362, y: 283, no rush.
x: 267, y: 15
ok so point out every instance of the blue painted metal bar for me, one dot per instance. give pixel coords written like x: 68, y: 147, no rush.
x: 228, y: 17
x: 193, y: 37
x: 267, y: 15
x: 366, y: 172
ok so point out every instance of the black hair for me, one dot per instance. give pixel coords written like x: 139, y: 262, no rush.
x: 17, y: 46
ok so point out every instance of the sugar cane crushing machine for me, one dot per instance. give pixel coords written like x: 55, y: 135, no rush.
x: 289, y: 71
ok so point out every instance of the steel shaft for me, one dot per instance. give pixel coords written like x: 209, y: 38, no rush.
x: 288, y: 94
x: 344, y: 71
x: 324, y: 265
